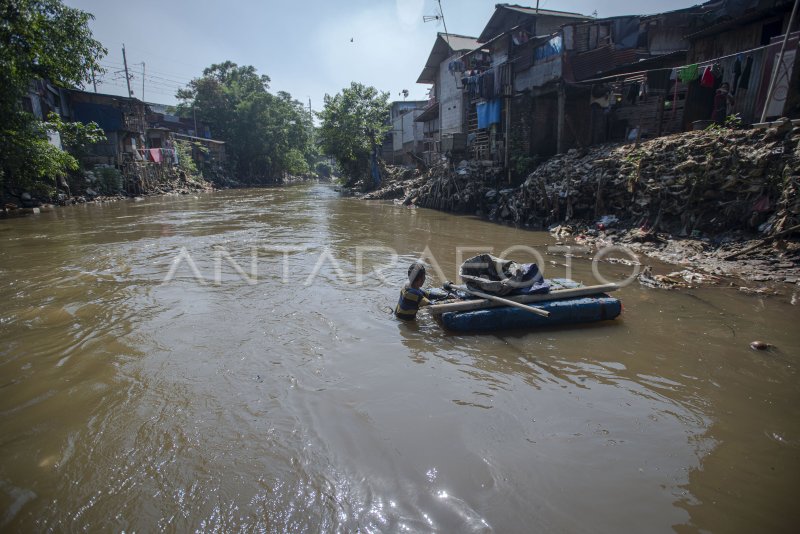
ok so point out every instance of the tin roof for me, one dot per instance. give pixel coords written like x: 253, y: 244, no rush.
x: 506, y: 16
x: 444, y: 46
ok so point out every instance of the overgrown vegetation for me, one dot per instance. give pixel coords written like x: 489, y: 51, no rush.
x: 107, y: 180
x: 185, y: 162
x: 41, y: 39
x: 353, y: 123
x: 732, y: 122
x: 267, y: 135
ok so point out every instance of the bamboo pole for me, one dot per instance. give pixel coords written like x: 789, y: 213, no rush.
x: 778, y: 63
x: 500, y: 300
x: 482, y: 303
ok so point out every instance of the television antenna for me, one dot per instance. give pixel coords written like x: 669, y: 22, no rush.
x: 437, y: 17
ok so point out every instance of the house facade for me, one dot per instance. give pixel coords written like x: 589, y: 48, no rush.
x: 403, y: 144
x: 138, y: 146
x: 444, y: 114
x: 540, y: 82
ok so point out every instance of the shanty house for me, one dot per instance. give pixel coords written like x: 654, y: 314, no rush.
x: 121, y: 118
x: 443, y: 116
x: 493, y: 69
x: 740, y: 41
x: 404, y: 142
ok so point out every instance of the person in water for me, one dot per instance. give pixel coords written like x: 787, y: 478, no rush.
x: 412, y: 296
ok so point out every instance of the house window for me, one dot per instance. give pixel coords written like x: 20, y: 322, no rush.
x: 27, y: 105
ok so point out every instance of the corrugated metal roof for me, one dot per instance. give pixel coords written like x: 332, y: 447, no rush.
x: 507, y: 15
x: 724, y: 24
x: 460, y: 42
x: 547, y: 12
x: 444, y: 46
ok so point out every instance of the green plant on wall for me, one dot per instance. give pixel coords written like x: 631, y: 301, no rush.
x: 108, y: 180
x: 185, y: 161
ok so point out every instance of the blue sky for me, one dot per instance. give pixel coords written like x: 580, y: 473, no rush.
x: 304, y: 47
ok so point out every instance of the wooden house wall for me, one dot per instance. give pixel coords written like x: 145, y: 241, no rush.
x: 546, y: 25
x: 645, y: 114
x: 544, y: 135
x: 749, y: 100
x: 577, y: 118
x: 730, y: 42
x: 664, y: 40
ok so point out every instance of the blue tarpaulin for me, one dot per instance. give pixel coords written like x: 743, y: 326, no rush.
x: 551, y: 48
x: 489, y: 112
x: 108, y: 118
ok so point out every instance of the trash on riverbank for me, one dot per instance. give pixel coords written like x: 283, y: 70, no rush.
x: 723, y: 201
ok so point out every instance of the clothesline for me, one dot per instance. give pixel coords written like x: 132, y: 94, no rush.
x: 159, y: 155
x: 699, y: 64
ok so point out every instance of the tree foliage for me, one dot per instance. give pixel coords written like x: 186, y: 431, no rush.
x: 185, y: 161
x: 354, y: 121
x: 75, y: 136
x: 39, y: 39
x: 267, y: 134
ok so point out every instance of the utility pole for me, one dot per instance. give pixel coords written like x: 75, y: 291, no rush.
x: 142, y: 81
x: 94, y: 82
x: 127, y: 76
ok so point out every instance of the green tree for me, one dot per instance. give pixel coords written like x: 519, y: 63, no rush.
x: 353, y: 123
x: 265, y: 132
x: 38, y: 39
x: 75, y: 136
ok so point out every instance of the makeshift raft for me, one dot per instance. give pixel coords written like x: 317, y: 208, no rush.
x: 567, y: 302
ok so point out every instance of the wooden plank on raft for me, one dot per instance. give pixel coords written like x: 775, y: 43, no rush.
x: 480, y: 304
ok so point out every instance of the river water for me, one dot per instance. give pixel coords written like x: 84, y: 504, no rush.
x: 148, y: 383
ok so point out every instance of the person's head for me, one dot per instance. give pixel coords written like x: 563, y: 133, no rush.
x: 725, y: 87
x: 416, y: 274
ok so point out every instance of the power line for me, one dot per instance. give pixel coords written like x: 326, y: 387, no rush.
x: 167, y: 79
x: 173, y: 77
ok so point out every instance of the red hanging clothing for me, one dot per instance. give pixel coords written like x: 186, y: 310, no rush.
x: 707, y: 79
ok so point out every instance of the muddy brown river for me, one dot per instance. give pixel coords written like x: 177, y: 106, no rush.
x: 150, y: 382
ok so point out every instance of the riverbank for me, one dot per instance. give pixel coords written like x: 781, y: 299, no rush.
x: 722, y: 201
x: 182, y: 184
x: 26, y: 203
